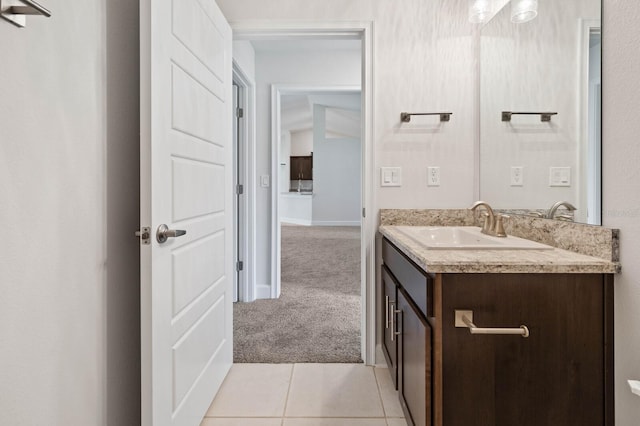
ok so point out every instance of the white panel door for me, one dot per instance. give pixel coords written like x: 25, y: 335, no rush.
x: 186, y: 183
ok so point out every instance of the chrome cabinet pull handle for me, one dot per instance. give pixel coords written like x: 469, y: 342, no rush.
x: 464, y: 319
x: 164, y: 233
x: 392, y: 319
x: 386, y: 311
x: 394, y: 332
x: 394, y: 311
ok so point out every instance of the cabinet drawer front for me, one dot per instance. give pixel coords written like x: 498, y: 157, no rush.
x: 416, y: 283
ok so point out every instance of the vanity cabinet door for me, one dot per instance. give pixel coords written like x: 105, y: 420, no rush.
x: 414, y: 362
x: 301, y: 167
x: 559, y: 375
x: 389, y: 346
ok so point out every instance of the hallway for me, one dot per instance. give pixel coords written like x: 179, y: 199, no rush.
x: 317, y: 316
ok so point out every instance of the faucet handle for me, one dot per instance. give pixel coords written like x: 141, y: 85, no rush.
x: 499, y: 226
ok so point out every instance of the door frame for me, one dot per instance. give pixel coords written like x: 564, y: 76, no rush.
x: 589, y: 153
x: 362, y: 30
x: 247, y: 247
x: 277, y: 91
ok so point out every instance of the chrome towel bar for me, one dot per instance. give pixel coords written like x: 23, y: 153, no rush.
x: 405, y: 117
x: 544, y: 116
x: 464, y: 319
x: 15, y: 11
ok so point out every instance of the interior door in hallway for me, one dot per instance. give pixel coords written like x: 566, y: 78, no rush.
x: 186, y: 184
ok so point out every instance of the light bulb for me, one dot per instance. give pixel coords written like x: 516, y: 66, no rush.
x: 523, y: 10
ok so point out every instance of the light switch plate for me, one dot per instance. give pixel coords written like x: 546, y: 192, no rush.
x: 390, y: 176
x: 265, y: 181
x: 559, y: 176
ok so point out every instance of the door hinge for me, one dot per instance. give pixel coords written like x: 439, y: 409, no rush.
x: 364, y: 212
x: 239, y: 189
x: 239, y: 112
x: 239, y: 265
x: 145, y: 235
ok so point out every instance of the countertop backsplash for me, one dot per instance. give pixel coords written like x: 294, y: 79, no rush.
x: 590, y: 240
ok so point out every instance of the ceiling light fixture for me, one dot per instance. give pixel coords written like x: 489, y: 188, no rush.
x: 523, y: 10
x: 479, y: 11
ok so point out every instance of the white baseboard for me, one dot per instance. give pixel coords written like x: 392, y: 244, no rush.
x: 335, y: 223
x: 380, y: 361
x: 263, y: 291
x: 304, y: 222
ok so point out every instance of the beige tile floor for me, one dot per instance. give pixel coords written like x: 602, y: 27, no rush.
x: 306, y: 395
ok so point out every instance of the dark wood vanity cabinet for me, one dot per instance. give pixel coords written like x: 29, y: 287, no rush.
x: 561, y: 374
x: 301, y: 167
x: 407, y: 343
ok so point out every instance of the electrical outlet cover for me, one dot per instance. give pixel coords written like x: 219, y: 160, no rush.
x: 517, y: 178
x: 433, y: 176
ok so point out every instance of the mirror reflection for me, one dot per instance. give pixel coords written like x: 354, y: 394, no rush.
x: 540, y: 109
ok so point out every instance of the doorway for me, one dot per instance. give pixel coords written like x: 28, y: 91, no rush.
x: 591, y: 119
x: 269, y: 182
x: 317, y: 314
x: 243, y: 175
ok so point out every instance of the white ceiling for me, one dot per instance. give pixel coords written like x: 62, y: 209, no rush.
x: 343, y: 112
x: 296, y: 113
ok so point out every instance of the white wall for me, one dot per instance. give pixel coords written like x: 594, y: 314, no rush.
x: 69, y: 316
x: 286, y: 147
x: 533, y: 67
x: 245, y: 57
x: 302, y: 143
x: 296, y: 208
x: 336, y: 176
x: 621, y: 188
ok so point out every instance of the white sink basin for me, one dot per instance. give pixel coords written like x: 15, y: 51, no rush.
x: 465, y: 238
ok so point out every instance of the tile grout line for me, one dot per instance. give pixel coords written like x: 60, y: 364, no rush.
x: 375, y: 375
x: 286, y: 401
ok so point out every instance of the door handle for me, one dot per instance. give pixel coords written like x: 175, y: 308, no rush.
x: 164, y: 233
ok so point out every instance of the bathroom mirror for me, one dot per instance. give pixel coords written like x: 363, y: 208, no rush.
x: 540, y: 108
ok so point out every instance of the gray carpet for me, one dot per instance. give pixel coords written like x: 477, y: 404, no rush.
x: 317, y: 317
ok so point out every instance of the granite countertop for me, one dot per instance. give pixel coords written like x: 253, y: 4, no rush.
x: 497, y: 261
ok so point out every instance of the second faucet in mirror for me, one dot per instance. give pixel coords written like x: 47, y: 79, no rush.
x: 551, y: 213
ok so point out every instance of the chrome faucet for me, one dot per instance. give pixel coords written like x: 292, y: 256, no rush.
x: 492, y: 223
x: 551, y: 213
